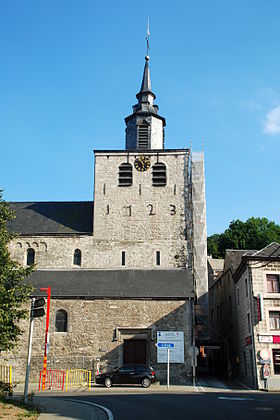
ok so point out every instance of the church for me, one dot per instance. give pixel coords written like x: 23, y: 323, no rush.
x: 125, y: 269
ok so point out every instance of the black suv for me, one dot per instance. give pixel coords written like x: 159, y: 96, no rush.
x: 128, y: 374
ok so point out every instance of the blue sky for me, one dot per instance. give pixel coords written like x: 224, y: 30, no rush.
x: 70, y: 70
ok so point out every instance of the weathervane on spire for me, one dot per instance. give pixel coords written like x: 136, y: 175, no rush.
x: 148, y: 41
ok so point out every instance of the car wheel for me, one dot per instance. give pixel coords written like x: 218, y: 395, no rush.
x: 108, y: 382
x: 146, y: 382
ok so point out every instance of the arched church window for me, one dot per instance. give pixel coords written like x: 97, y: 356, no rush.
x: 159, y: 174
x: 30, y: 256
x: 77, y: 257
x: 143, y: 136
x: 125, y: 175
x: 61, y: 321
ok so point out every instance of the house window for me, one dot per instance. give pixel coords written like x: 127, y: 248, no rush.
x: 158, y: 257
x: 61, y: 321
x: 274, y: 320
x: 143, y: 136
x: 123, y: 257
x: 249, y: 322
x: 237, y: 296
x: 272, y: 283
x: 276, y: 361
x: 30, y: 256
x: 246, y: 287
x: 159, y: 174
x: 77, y: 257
x: 125, y: 175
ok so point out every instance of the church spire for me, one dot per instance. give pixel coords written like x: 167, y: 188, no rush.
x: 143, y: 125
x: 146, y: 86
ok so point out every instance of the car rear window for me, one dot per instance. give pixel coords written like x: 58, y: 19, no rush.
x: 140, y: 368
x: 125, y: 369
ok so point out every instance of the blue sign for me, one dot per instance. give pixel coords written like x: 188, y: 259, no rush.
x: 165, y: 345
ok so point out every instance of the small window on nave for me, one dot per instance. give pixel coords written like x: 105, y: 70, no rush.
x: 61, y: 321
x: 77, y: 259
x: 30, y: 256
x: 158, y: 258
x: 159, y: 174
x: 125, y: 175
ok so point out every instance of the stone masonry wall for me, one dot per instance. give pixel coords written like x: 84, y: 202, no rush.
x: 271, y: 302
x: 57, y: 253
x: 91, y: 335
x: 141, y: 211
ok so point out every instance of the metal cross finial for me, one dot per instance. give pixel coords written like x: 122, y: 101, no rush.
x: 148, y: 40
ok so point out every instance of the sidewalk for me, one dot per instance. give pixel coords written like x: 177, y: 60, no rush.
x: 54, y: 406
x: 57, y: 408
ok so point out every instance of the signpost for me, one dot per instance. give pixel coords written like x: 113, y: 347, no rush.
x: 37, y: 310
x: 266, y: 374
x: 166, y: 346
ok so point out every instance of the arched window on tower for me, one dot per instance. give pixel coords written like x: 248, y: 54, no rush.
x: 61, y: 321
x: 77, y: 257
x: 30, y: 256
x: 125, y: 175
x: 143, y: 136
x: 159, y: 174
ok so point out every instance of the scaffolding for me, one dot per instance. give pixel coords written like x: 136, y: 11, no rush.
x: 199, y: 243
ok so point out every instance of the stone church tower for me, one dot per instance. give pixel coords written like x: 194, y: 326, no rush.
x: 121, y: 268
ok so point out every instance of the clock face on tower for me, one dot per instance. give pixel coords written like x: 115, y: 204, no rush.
x: 142, y: 163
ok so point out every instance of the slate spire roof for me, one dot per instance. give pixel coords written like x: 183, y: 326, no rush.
x: 146, y: 85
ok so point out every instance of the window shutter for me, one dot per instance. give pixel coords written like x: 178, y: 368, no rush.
x: 125, y: 175
x: 143, y: 137
x: 159, y: 175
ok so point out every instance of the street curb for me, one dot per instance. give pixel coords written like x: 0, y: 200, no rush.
x: 105, y: 409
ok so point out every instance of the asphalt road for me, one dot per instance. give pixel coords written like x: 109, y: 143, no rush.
x: 166, y: 406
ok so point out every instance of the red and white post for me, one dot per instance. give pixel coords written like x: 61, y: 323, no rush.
x: 46, y: 348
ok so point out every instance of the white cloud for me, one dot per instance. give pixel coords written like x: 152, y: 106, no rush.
x: 271, y: 124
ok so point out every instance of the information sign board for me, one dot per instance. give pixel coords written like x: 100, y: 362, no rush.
x: 176, y: 353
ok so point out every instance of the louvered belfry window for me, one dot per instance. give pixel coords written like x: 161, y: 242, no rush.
x: 125, y: 175
x: 143, y: 136
x: 159, y: 174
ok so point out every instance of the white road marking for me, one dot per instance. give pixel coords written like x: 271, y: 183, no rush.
x: 107, y: 411
x: 236, y: 398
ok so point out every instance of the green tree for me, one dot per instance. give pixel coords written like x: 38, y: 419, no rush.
x: 13, y: 292
x: 255, y: 233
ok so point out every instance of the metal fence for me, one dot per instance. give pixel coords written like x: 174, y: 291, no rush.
x: 77, y: 377
x: 63, y: 380
x: 55, y: 379
x: 6, y: 375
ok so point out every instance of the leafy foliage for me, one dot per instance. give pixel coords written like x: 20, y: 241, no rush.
x: 13, y: 291
x: 255, y: 233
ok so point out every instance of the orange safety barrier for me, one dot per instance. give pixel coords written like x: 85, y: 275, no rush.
x: 55, y: 379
